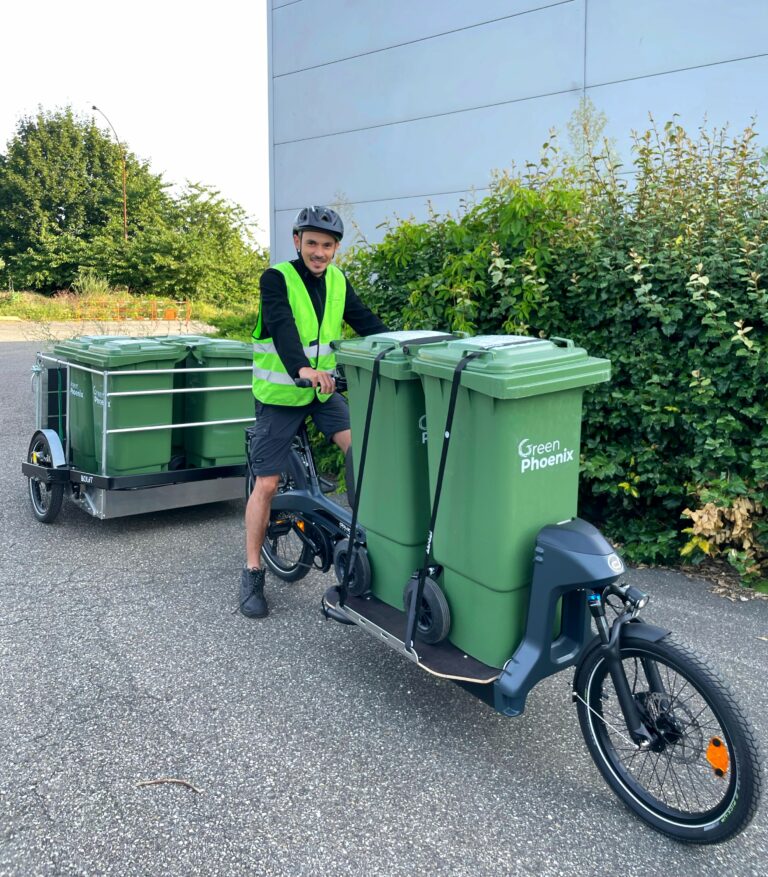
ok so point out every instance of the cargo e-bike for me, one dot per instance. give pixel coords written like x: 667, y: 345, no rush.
x: 663, y: 729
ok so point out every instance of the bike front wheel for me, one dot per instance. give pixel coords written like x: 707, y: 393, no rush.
x: 700, y: 780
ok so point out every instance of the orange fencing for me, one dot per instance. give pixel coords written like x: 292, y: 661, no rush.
x: 133, y: 309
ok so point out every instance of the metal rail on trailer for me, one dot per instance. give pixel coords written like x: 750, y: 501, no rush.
x: 110, y: 496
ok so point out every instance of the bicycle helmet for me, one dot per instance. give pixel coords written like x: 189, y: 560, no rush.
x: 319, y: 219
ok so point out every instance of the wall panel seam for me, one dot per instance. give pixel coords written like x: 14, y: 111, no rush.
x: 584, y: 68
x: 676, y: 70
x: 420, y: 39
x: 472, y: 190
x: 409, y: 121
x: 271, y: 127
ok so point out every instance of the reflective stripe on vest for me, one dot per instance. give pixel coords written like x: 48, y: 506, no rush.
x: 269, y: 347
x: 271, y: 382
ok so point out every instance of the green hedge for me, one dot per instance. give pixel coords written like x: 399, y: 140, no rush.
x: 660, y: 267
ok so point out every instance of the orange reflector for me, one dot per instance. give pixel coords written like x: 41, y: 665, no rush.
x: 300, y: 525
x: 717, y: 756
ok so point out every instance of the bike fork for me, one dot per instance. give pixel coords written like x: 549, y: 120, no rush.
x: 610, y: 638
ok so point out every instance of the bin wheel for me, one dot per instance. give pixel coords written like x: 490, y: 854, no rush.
x: 434, y: 618
x: 46, y: 498
x: 360, y: 576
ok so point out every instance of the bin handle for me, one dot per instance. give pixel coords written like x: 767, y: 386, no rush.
x: 562, y: 342
x: 428, y: 339
x: 433, y: 338
x: 391, y: 345
x: 491, y: 348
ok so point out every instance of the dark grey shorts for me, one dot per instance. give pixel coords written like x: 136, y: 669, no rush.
x: 269, y: 439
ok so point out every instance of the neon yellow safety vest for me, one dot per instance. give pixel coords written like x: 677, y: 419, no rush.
x: 271, y: 382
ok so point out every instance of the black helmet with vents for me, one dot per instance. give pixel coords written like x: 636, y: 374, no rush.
x: 319, y: 219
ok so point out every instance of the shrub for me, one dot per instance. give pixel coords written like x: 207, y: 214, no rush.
x: 662, y: 271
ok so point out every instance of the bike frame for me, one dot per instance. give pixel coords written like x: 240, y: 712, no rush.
x: 313, y: 505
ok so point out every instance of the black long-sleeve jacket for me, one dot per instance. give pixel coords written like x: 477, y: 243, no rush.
x: 278, y: 323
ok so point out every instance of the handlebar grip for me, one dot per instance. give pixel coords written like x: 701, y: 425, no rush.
x: 305, y: 383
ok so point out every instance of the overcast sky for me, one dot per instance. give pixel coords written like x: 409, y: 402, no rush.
x: 184, y: 82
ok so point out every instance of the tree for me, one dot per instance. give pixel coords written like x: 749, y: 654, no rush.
x: 203, y: 249
x: 60, y: 188
x: 61, y: 211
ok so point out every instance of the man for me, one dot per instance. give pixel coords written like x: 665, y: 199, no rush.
x: 303, y: 304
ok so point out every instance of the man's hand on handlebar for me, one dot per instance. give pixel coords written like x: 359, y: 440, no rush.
x: 324, y: 380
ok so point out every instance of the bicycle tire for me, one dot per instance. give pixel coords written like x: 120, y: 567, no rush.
x: 700, y: 783
x: 287, y: 548
x: 46, y: 498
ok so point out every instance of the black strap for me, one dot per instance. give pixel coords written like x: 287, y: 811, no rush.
x: 353, y: 544
x: 416, y: 602
x: 433, y: 338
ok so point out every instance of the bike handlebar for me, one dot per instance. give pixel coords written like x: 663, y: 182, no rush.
x: 340, y: 380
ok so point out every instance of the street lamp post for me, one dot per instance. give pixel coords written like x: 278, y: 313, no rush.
x: 122, y: 157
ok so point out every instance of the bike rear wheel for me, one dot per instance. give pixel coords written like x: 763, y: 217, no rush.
x: 700, y: 781
x: 288, y: 550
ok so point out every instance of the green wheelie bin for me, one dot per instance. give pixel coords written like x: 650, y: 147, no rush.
x: 394, y: 500
x: 82, y: 440
x: 219, y: 395
x: 128, y: 453
x: 178, y: 435
x: 512, y: 467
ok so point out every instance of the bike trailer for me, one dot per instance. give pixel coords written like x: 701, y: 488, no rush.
x: 109, y: 412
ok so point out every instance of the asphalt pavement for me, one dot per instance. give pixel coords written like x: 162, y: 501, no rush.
x: 312, y: 749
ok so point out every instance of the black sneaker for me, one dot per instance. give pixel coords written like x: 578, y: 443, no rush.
x: 253, y: 603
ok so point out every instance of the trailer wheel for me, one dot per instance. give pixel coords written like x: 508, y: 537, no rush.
x: 46, y: 498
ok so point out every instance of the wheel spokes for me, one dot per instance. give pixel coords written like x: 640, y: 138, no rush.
x: 675, y: 772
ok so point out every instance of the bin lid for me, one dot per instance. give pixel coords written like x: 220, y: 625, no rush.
x: 513, y: 366
x: 188, y: 340
x: 363, y: 351
x: 108, y: 351
x: 205, y: 349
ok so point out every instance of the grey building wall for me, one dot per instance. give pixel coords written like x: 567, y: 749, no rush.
x: 380, y: 108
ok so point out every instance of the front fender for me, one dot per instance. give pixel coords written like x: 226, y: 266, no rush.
x: 642, y: 630
x: 637, y: 628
